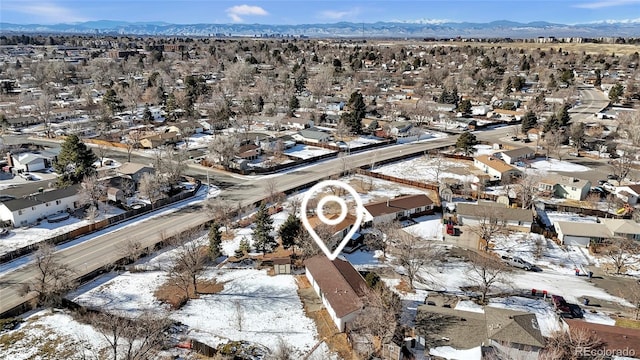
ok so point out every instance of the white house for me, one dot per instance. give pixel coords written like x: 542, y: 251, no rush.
x: 566, y: 187
x: 481, y: 110
x: 38, y: 206
x: 629, y: 193
x: 339, y: 286
x: 28, y: 162
x: 580, y: 233
x: 494, y: 167
x: 401, y: 207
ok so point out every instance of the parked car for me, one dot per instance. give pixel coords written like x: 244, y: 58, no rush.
x: 517, y: 262
x: 560, y: 304
x: 601, y: 182
x: 27, y: 176
x: 609, y: 187
x: 613, y: 177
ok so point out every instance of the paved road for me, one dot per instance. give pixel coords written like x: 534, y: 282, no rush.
x: 106, y: 249
x: 592, y: 101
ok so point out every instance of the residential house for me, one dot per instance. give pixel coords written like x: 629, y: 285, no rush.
x: 156, y: 140
x: 21, y: 211
x: 506, y: 333
x: 474, y: 214
x: 398, y: 208
x: 581, y: 233
x: 518, y: 154
x: 338, y: 231
x: 629, y: 193
x: 134, y: 171
x: 496, y: 168
x: 277, y: 143
x: 534, y: 134
x: 566, y: 187
x: 400, y: 128
x: 622, y: 343
x: 313, y: 135
x: 248, y: 152
x: 28, y: 162
x: 340, y: 287
x: 481, y: 110
x: 622, y: 228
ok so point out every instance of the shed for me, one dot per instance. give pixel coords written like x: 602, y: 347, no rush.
x: 282, y: 266
x: 114, y: 194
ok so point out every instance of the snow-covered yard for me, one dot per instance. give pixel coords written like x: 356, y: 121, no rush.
x: 557, y: 165
x: 428, y: 169
x: 306, y: 152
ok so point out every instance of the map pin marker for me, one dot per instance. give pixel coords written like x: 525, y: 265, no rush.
x: 332, y: 222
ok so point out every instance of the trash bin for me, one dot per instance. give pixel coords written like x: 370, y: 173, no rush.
x: 577, y: 272
x: 533, y: 292
x: 590, y: 274
x: 585, y: 301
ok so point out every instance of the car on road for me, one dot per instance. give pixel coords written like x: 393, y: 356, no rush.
x: 613, y: 177
x: 517, y: 262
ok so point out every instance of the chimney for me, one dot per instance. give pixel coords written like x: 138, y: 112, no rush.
x: 9, y: 160
x: 387, y: 202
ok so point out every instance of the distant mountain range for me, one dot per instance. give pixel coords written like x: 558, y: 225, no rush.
x: 396, y: 29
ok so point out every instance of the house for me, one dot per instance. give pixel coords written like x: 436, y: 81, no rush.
x: 474, y: 214
x: 397, y: 208
x: 622, y: 228
x: 338, y: 231
x: 481, y: 110
x: 277, y: 143
x: 156, y: 140
x: 248, y: 152
x: 134, y: 171
x: 21, y: 211
x: 496, y: 168
x: 566, y: 187
x: 629, y: 193
x: 506, y: 333
x: 519, y: 154
x: 400, y: 128
x: 340, y: 287
x: 29, y: 162
x: 313, y: 135
x: 580, y: 233
x: 618, y: 341
x: 534, y: 134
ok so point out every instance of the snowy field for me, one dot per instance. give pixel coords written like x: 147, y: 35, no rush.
x: 550, y: 217
x: 557, y: 165
x: 427, y: 227
x: 426, y: 169
x: 306, y: 152
x: 363, y: 141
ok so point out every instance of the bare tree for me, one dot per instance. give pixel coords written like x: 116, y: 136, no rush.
x: 621, y: 166
x: 436, y: 165
x: 53, y: 278
x: 152, y: 186
x: 282, y: 352
x: 91, y: 191
x: 526, y: 188
x: 554, y: 140
x: 102, y: 151
x: 171, y: 163
x: 623, y: 253
x: 138, y: 338
x: 380, y: 314
x: 220, y: 211
x: 238, y: 315
x: 271, y: 188
x: 485, y: 272
x: 342, y: 130
x: 574, y: 344
x: 188, y: 262
x: 224, y: 149
x: 490, y: 224
x: 414, y: 255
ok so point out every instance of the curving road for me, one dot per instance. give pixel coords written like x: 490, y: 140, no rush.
x: 592, y: 101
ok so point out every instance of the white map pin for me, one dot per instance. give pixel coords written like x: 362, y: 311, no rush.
x: 332, y: 222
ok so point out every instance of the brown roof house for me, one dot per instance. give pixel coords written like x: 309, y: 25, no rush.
x: 153, y: 141
x: 397, y: 208
x: 618, y: 341
x: 340, y: 287
x: 494, y: 167
x: 473, y: 214
x: 134, y: 171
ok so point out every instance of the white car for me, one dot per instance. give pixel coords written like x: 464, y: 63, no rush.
x: 27, y: 176
x: 609, y: 187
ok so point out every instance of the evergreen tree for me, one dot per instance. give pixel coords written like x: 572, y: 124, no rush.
x: 529, y: 121
x: 75, y: 161
x: 598, y: 81
x: 616, y: 92
x: 243, y: 248
x: 465, y: 142
x: 294, y: 104
x: 290, y: 230
x: 563, y: 115
x: 112, y: 101
x: 262, y: 237
x: 551, y: 124
x: 465, y: 106
x: 353, y: 119
x: 215, y: 241
x: 147, y: 117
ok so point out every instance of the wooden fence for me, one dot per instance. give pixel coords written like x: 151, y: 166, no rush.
x: 87, y: 229
x: 413, y: 183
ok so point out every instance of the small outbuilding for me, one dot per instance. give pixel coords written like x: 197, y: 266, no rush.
x: 282, y: 266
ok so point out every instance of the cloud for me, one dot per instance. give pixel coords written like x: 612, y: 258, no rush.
x: 45, y: 11
x: 606, y: 3
x: 337, y: 15
x: 236, y: 12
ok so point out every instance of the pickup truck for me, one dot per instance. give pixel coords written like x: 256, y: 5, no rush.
x: 517, y: 262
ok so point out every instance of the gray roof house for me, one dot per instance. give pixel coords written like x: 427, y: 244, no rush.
x: 514, y: 155
x: 473, y: 214
x: 582, y: 234
x: 314, y: 135
x: 21, y: 211
x: 134, y: 171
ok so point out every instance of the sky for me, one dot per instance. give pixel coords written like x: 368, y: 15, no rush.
x: 316, y: 11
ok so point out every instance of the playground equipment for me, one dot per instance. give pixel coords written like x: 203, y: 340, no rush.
x: 625, y: 210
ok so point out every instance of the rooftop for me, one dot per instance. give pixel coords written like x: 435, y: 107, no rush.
x: 400, y: 203
x: 495, y: 163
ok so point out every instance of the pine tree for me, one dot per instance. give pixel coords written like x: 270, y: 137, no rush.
x: 529, y: 121
x: 147, y: 117
x: 465, y: 142
x: 353, y: 119
x: 262, y: 237
x: 215, y: 241
x: 563, y: 115
x: 290, y: 230
x: 74, y: 162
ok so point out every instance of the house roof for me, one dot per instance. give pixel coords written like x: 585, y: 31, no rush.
x: 554, y: 179
x: 513, y: 326
x: 621, y: 226
x: 28, y: 158
x: 313, y: 133
x: 493, y: 210
x: 518, y: 152
x: 614, y: 337
x: 161, y: 136
x: 590, y: 230
x: 635, y: 188
x: 446, y: 326
x: 339, y: 282
x: 398, y: 204
x: 348, y: 221
x: 130, y: 168
x: 495, y: 163
x: 41, y: 198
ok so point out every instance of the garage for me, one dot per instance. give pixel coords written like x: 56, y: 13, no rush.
x: 580, y: 233
x: 576, y: 240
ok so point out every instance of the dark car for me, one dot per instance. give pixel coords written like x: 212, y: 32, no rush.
x: 612, y: 177
x: 601, y: 182
x: 560, y: 303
